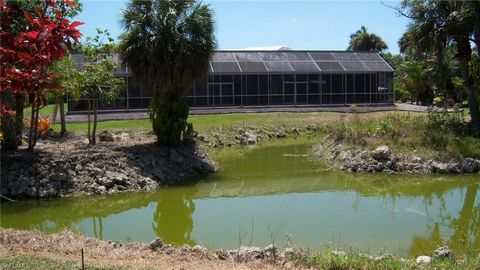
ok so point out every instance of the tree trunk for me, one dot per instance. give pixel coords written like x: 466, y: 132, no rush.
x: 464, y: 55
x: 55, y: 110
x: 32, y: 140
x: 63, y: 130
x: 8, y: 125
x: 88, y: 129
x: 19, y: 106
x: 476, y: 24
x: 94, y: 131
x: 32, y: 123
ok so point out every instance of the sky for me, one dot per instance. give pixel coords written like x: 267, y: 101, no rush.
x: 312, y: 25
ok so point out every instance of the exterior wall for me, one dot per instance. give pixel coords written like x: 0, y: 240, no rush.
x: 294, y: 89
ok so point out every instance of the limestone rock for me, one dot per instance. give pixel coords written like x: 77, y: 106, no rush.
x: 423, y: 260
x: 156, y: 244
x: 382, y: 153
x: 222, y: 254
x: 270, y: 251
x: 339, y: 253
x: 469, y: 165
x: 289, y: 253
x: 439, y: 167
x: 443, y: 252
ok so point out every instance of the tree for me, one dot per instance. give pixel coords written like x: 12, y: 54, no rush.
x: 415, y: 78
x: 168, y: 45
x: 443, y: 23
x: 34, y: 34
x: 364, y: 41
x: 67, y: 71
x: 96, y: 81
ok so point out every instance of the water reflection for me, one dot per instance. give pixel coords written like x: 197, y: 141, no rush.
x: 172, y: 219
x: 464, y: 230
x: 275, y: 185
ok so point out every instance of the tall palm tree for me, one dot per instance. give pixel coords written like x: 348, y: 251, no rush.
x: 167, y: 45
x: 364, y: 41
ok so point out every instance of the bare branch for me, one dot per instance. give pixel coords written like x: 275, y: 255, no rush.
x: 399, y: 11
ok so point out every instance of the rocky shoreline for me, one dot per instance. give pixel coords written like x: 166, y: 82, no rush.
x: 67, y: 246
x: 249, y: 135
x: 119, y: 162
x: 382, y: 159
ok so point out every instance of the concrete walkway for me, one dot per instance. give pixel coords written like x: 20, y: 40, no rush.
x: 142, y: 114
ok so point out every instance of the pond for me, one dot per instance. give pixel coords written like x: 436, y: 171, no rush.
x: 276, y: 192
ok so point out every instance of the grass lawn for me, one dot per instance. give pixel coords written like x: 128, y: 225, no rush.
x: 207, y: 122
x: 47, y: 110
x: 403, y: 132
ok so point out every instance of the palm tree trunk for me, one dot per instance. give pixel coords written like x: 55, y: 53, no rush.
x: 63, y: 130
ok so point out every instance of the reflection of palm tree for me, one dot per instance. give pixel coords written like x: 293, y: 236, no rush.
x: 98, y: 234
x: 172, y: 220
x: 466, y: 228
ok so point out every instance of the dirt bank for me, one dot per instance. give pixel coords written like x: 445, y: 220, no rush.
x: 123, y: 161
x: 66, y: 247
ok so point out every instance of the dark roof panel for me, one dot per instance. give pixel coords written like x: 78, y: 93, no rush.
x: 253, y: 67
x: 322, y: 56
x: 272, y: 56
x: 248, y: 57
x: 279, y: 66
x: 225, y: 67
x: 369, y: 56
x: 223, y: 57
x: 297, y: 56
x: 304, y: 66
x: 330, y: 66
x: 232, y: 62
x: 378, y: 66
x: 354, y: 66
x: 346, y: 56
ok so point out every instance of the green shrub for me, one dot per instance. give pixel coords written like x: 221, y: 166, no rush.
x: 168, y: 115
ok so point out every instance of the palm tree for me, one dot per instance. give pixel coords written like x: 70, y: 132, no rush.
x: 415, y: 78
x: 364, y: 41
x: 167, y: 45
x: 440, y: 23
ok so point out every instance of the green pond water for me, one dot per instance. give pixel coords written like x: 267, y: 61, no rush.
x: 271, y: 191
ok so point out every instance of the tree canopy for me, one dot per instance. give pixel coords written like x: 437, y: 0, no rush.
x: 362, y: 40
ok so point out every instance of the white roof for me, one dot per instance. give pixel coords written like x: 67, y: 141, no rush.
x: 267, y: 48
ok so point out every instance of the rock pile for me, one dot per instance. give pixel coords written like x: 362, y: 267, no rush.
x: 382, y: 159
x: 58, y: 169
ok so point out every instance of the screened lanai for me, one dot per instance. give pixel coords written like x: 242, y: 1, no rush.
x: 278, y: 78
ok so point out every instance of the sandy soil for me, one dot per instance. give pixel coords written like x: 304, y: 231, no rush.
x: 66, y: 246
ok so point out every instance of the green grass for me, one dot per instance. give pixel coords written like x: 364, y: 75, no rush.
x: 327, y: 260
x: 47, y: 110
x: 424, y: 135
x: 35, y: 263
x: 209, y: 122
x: 402, y: 132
